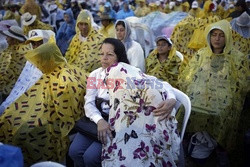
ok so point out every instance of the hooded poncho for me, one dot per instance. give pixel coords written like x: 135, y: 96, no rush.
x: 84, y: 54
x: 12, y: 62
x: 216, y: 85
x: 40, y: 120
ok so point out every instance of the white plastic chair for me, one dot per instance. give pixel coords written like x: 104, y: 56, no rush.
x: 180, y: 55
x: 183, y: 99
x: 47, y: 164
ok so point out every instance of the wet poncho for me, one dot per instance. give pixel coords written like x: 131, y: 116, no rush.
x: 188, y: 35
x: 140, y: 138
x: 40, y: 120
x: 12, y: 62
x: 32, y: 7
x: 36, y: 25
x: 167, y: 70
x: 66, y: 32
x: 216, y: 85
x: 141, y: 11
x: 109, y: 31
x: 84, y: 54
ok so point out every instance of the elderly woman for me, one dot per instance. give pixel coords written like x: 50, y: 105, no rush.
x: 86, y: 151
x: 134, y: 50
x: 12, y: 59
x: 39, y: 120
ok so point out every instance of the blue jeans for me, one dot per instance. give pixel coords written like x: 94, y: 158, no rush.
x: 85, y: 152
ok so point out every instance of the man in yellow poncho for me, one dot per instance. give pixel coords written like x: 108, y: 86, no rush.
x: 164, y: 62
x: 31, y: 22
x: 108, y: 27
x: 40, y: 120
x: 141, y: 10
x: 12, y: 59
x: 215, y: 81
x: 85, y: 46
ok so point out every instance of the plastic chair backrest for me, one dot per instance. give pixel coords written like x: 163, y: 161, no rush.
x: 47, y: 164
x: 183, y: 99
x: 180, y: 55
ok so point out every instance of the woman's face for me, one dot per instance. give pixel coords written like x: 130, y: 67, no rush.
x: 108, y: 56
x: 120, y: 32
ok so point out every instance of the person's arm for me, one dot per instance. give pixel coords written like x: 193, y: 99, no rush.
x: 165, y: 108
x: 91, y: 93
x: 92, y: 112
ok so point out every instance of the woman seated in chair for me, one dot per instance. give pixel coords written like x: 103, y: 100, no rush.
x: 141, y: 128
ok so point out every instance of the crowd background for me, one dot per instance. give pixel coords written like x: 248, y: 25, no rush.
x: 182, y: 24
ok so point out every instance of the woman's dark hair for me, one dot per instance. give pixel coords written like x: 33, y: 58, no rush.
x: 120, y: 23
x: 119, y: 50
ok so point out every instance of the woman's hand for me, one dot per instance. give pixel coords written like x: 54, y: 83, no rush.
x: 104, y: 129
x: 164, y: 109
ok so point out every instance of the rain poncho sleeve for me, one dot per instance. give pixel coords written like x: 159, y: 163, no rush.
x: 12, y: 62
x: 140, y: 138
x: 168, y: 70
x: 40, y: 120
x: 217, y: 86
x: 84, y: 54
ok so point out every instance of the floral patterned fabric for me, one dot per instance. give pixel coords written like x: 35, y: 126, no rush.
x: 140, y: 139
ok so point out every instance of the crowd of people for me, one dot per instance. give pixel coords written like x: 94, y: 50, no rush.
x: 58, y: 57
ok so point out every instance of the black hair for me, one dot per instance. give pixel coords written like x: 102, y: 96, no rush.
x: 120, y: 23
x: 119, y: 50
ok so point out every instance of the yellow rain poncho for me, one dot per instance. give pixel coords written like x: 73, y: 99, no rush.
x: 240, y: 43
x: 188, y: 35
x: 12, y: 62
x: 109, y: 31
x: 207, y: 11
x: 216, y: 85
x: 85, y: 54
x: 185, y: 7
x: 36, y: 25
x: 9, y: 15
x: 194, y: 12
x: 141, y: 11
x: 32, y: 7
x: 40, y: 120
x: 167, y: 70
